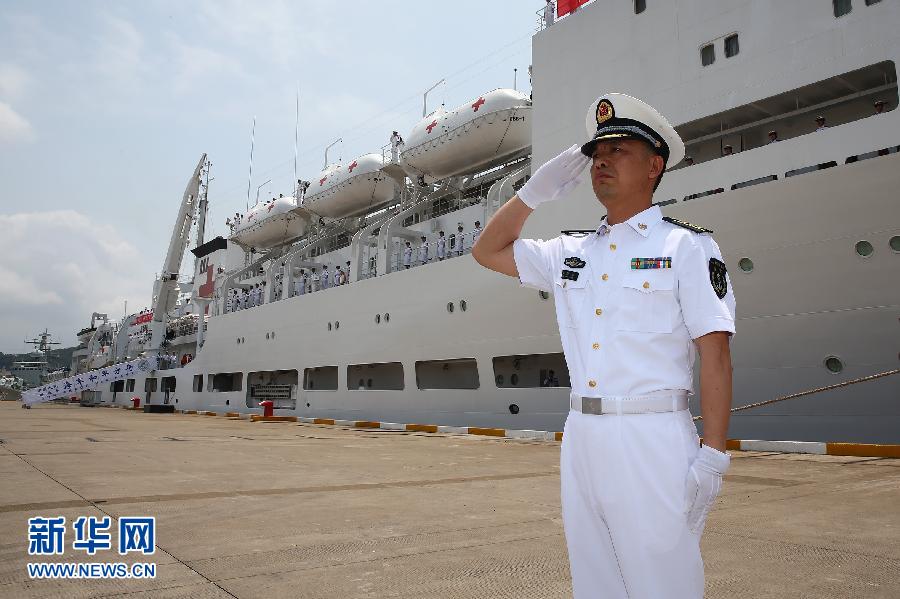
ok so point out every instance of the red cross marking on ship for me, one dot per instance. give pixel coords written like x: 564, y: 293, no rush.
x: 352, y: 166
x: 478, y: 104
x: 322, y: 181
x: 431, y: 126
x: 206, y: 289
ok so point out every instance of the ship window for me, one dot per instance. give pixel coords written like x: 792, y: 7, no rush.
x: 640, y: 6
x: 707, y: 55
x: 834, y: 364
x: 198, y: 382
x: 731, y: 46
x: 225, y: 382
x: 321, y: 378
x: 842, y: 7
x: 895, y: 243
x: 864, y: 248
x: 168, y: 384
x: 531, y: 371
x: 277, y: 386
x: 458, y: 373
x: 149, y: 385
x: 746, y: 264
x: 386, y: 376
x: 871, y: 2
x: 129, y: 385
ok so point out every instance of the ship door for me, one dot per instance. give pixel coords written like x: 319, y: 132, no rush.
x: 149, y: 389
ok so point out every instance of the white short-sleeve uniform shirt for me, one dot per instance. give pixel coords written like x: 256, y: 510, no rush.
x: 645, y: 288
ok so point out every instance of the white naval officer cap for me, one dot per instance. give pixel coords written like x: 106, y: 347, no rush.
x: 615, y: 115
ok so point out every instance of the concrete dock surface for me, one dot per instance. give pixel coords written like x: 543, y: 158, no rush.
x: 262, y: 509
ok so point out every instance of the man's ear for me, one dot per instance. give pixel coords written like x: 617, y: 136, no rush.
x: 657, y: 166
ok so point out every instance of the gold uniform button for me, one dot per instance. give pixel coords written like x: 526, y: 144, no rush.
x: 592, y: 383
x: 596, y: 346
x: 605, y: 276
x: 646, y: 285
x: 598, y: 311
x: 612, y: 246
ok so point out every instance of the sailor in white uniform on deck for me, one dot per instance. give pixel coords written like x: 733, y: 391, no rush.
x: 423, y: 251
x: 441, y: 246
x: 476, y: 232
x: 326, y: 278
x: 460, y: 241
x: 314, y: 281
x: 636, y: 299
x: 407, y: 255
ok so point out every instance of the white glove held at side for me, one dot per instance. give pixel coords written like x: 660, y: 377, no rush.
x: 555, y: 178
x: 704, y: 481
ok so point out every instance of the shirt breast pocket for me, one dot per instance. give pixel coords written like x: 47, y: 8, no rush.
x: 571, y: 298
x: 647, y: 302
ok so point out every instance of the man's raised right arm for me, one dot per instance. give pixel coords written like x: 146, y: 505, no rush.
x: 494, y: 248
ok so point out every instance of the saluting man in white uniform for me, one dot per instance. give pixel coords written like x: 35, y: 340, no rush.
x: 636, y: 299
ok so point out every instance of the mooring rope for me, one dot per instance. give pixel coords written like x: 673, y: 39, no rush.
x: 811, y: 391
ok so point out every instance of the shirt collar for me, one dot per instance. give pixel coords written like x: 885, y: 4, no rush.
x: 641, y: 222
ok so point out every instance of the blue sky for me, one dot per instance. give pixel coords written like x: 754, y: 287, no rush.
x: 105, y: 108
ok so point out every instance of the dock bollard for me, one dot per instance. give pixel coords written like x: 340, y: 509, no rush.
x: 268, y: 408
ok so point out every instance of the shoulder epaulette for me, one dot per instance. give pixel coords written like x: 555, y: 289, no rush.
x: 686, y: 225
x: 578, y: 231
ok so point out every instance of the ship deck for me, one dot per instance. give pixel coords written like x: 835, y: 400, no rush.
x: 296, y: 510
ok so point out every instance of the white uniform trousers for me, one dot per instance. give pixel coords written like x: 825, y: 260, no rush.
x: 623, y: 482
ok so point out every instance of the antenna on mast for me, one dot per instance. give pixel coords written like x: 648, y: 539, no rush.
x: 296, y: 137
x: 250, y: 174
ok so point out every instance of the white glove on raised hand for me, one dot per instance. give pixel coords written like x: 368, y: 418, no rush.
x: 704, y: 481
x: 555, y: 178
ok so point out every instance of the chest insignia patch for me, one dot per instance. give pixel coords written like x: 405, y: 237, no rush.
x: 644, y: 263
x: 570, y: 275
x: 574, y: 262
x: 717, y: 272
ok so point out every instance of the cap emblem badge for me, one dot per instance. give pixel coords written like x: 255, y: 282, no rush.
x: 604, y: 111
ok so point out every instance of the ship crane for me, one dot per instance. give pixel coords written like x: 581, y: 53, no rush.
x: 165, y: 292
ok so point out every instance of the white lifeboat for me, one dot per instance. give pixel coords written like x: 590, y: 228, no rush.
x: 341, y: 191
x: 475, y: 136
x: 270, y: 223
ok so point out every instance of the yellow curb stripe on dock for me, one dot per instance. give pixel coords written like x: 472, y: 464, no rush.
x: 258, y: 418
x: 863, y: 450
x: 874, y: 450
x: 489, y: 432
x: 422, y: 428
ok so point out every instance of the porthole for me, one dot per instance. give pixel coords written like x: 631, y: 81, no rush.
x: 238, y: 340
x: 387, y: 317
x: 463, y: 305
x: 864, y: 248
x: 369, y: 383
x: 514, y: 379
x: 543, y: 295
x: 227, y: 402
x: 834, y: 364
x: 243, y: 340
x: 378, y: 319
x: 746, y: 264
x: 450, y: 307
x: 895, y: 243
x: 329, y: 326
x: 273, y: 334
x: 499, y: 380
x: 267, y: 336
x: 337, y: 324
x: 513, y: 408
x: 307, y: 405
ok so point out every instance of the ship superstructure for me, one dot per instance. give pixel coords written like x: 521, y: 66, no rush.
x: 807, y: 220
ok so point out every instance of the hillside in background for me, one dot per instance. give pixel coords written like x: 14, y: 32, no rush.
x: 59, y: 358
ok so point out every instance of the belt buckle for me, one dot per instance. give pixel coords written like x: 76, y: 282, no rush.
x: 592, y: 405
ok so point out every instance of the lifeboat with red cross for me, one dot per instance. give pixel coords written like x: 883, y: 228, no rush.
x: 270, y: 223
x: 480, y: 134
x: 341, y: 191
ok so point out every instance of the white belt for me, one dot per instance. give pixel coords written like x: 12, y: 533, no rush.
x: 640, y: 404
